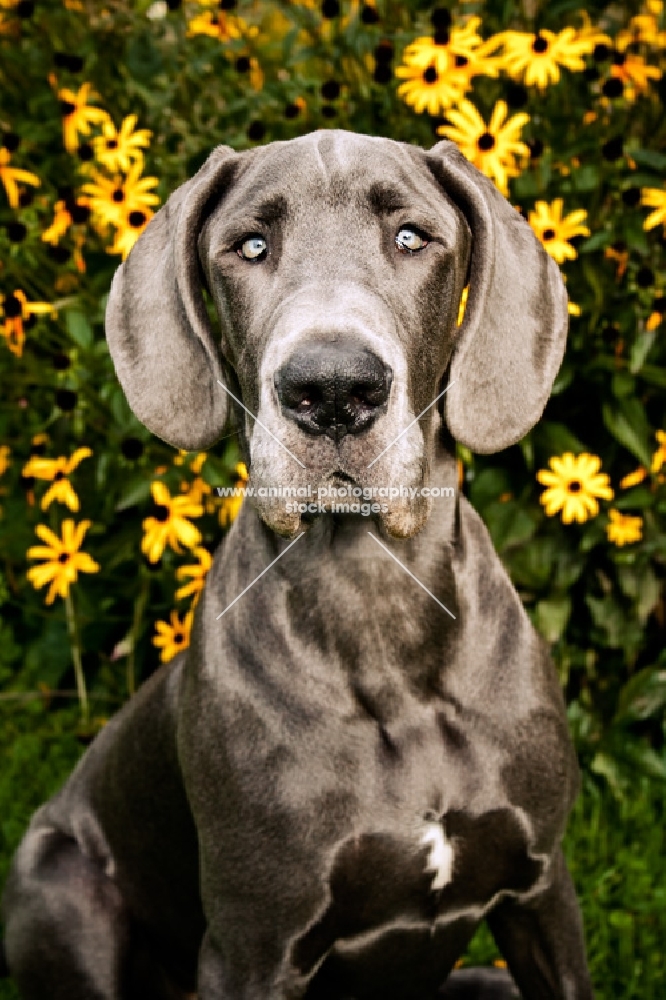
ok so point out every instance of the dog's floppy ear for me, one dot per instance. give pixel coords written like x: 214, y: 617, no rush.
x: 157, y: 325
x: 511, y: 342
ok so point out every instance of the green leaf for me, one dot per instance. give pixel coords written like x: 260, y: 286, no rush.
x: 628, y: 423
x: 551, y: 617
x: 136, y: 491
x: 642, y: 697
x: 79, y: 328
x: 640, y: 349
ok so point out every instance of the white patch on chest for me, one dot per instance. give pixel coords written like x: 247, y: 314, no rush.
x: 440, y: 859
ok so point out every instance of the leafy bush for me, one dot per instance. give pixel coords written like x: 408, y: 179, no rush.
x: 108, y: 107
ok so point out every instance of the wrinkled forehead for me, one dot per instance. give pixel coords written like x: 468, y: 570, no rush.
x: 331, y: 168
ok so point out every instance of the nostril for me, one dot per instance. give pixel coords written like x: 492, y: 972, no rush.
x: 301, y: 398
x: 369, y: 395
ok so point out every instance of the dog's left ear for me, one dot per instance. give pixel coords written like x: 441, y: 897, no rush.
x: 510, y: 345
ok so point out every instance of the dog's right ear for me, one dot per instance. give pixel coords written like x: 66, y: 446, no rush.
x: 157, y: 325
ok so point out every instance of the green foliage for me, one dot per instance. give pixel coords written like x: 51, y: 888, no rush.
x: 255, y: 78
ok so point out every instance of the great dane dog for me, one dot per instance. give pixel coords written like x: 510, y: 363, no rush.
x: 366, y: 754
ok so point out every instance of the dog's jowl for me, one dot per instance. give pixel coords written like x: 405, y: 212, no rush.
x: 364, y: 751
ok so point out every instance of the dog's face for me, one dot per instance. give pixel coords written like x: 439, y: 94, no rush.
x: 336, y: 263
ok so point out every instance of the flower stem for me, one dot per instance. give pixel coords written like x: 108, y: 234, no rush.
x: 75, y: 645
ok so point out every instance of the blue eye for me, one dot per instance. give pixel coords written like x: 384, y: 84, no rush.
x: 409, y: 240
x: 254, y: 248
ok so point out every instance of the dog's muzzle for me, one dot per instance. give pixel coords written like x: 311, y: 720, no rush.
x: 333, y: 388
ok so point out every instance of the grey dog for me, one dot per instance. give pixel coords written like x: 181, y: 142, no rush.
x: 367, y: 754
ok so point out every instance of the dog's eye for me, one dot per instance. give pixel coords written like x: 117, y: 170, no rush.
x: 410, y: 240
x: 254, y: 248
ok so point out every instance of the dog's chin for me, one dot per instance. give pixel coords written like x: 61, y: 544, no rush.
x: 402, y: 519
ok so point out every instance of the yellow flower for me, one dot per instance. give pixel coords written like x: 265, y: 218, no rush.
x: 231, y: 505
x: 554, y: 231
x: 634, y: 73
x: 633, y: 478
x: 493, y: 147
x: 642, y: 28
x: 57, y: 470
x: 659, y: 456
x: 197, y: 572
x: 624, y: 529
x: 116, y: 149
x: 438, y: 76
x: 174, y: 637
x: 654, y: 198
x: 63, y: 560
x: 10, y: 175
x: 77, y: 115
x: 5, y: 462
x: 218, y: 24
x: 170, y: 526
x: 574, y: 484
x: 16, y: 308
x: 536, y: 59
x: 113, y: 200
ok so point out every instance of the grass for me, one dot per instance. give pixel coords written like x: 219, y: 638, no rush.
x: 616, y: 852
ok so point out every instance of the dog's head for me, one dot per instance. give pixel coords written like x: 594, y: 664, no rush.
x: 336, y: 264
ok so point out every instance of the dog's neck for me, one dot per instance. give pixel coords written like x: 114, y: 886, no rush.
x: 358, y: 598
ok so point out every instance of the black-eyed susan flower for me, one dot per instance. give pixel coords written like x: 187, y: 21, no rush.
x: 10, y: 175
x: 5, y: 461
x: 78, y: 115
x: 574, y: 486
x: 116, y: 149
x: 57, y: 471
x: 623, y: 529
x: 634, y: 73
x: 642, y: 29
x: 170, y: 525
x: 654, y: 198
x: 555, y: 230
x: 174, y: 636
x: 659, y: 457
x: 63, y: 559
x: 535, y: 59
x: 14, y: 310
x: 437, y: 75
x: 112, y: 199
x: 230, y: 506
x: 633, y: 478
x: 492, y: 148
x: 216, y: 23
x: 197, y: 573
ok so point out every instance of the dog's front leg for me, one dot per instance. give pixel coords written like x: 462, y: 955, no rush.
x: 542, y: 940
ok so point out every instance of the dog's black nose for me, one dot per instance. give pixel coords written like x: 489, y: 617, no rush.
x: 333, y: 388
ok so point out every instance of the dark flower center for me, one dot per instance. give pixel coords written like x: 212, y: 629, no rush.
x: 112, y: 144
x: 161, y: 512
x: 118, y: 195
x: 178, y: 638
x: 486, y: 142
x: 13, y: 306
x: 461, y: 61
x: 430, y: 75
x: 549, y: 234
x: 63, y: 557
x: 136, y: 219
x: 58, y: 476
x: 540, y: 45
x: 575, y: 486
